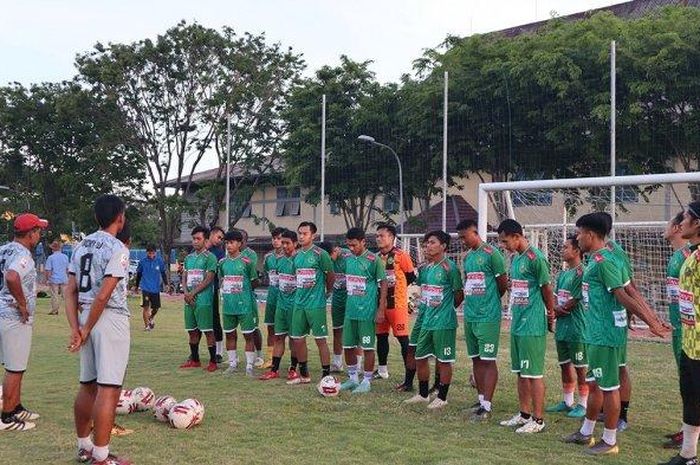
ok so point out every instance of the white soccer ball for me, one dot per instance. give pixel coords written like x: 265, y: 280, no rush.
x: 182, y: 416
x: 144, y: 398
x: 329, y: 386
x: 197, y: 407
x: 126, y: 403
x: 162, y: 406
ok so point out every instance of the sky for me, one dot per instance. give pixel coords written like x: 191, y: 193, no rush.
x: 39, y: 39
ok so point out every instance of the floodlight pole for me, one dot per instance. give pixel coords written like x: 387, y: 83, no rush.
x: 228, y: 173
x: 613, y: 72
x: 323, y: 166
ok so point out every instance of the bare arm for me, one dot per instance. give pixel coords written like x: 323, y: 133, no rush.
x: 208, y: 279
x: 459, y: 298
x: 642, y: 311
x: 381, y: 308
x: 71, y: 298
x: 330, y: 279
x: 502, y: 283
x: 548, y: 298
x: 13, y: 281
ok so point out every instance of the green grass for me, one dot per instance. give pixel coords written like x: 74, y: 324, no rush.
x: 251, y: 422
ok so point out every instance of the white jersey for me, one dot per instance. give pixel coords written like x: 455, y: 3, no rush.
x: 100, y: 254
x: 16, y: 257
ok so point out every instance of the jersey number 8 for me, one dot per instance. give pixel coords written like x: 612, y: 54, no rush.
x: 84, y: 281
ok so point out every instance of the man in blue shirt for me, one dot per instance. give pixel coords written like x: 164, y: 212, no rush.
x: 148, y: 275
x: 56, y: 273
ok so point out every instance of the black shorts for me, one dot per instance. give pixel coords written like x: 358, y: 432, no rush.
x: 150, y: 299
x: 689, y: 370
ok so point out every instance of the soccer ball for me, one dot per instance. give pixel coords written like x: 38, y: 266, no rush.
x: 144, y: 398
x: 182, y: 416
x: 197, y: 407
x: 329, y: 386
x: 126, y: 402
x: 162, y: 406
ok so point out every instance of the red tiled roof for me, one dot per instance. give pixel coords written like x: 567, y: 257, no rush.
x: 458, y: 209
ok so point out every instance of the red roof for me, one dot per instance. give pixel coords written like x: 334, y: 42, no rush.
x: 458, y: 209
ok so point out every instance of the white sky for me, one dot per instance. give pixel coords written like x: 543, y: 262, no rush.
x: 40, y: 38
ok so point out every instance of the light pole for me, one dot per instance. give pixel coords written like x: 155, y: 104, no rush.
x: 5, y: 188
x: 370, y: 140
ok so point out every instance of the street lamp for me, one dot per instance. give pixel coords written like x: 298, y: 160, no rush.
x: 371, y: 140
x: 5, y: 188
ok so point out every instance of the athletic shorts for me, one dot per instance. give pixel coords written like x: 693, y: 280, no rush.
x: 572, y: 352
x: 105, y: 355
x: 527, y: 355
x: 397, y: 320
x: 438, y: 343
x: 150, y: 299
x: 676, y: 344
x: 623, y: 355
x: 604, y: 366
x: 482, y: 339
x: 415, y: 332
x: 247, y: 321
x: 270, y: 310
x: 359, y: 333
x: 309, y: 321
x: 338, y: 316
x: 690, y: 389
x: 201, y: 318
x: 283, y: 319
x: 16, y: 342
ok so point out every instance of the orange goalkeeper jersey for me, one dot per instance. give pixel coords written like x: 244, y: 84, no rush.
x: 397, y: 263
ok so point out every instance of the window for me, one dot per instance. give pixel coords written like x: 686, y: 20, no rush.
x: 391, y: 203
x: 288, y: 201
x: 334, y: 208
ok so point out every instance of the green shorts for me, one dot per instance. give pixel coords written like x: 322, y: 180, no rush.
x: 359, y: 333
x: 527, y: 355
x: 623, y: 355
x: 604, y: 366
x: 415, y: 332
x: 201, y: 318
x: 677, y: 345
x: 338, y: 316
x: 572, y: 352
x: 247, y: 321
x: 283, y: 319
x: 270, y: 312
x: 482, y: 339
x: 438, y: 343
x: 313, y: 320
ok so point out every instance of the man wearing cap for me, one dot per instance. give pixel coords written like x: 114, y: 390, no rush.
x: 56, y: 272
x: 17, y: 306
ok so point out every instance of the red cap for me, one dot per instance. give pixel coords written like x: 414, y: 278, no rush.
x: 28, y: 221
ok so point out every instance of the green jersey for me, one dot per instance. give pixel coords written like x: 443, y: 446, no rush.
x: 270, y: 267
x: 197, y: 265
x: 311, y: 267
x: 438, y: 282
x: 529, y: 271
x: 606, y: 318
x: 362, y: 273
x: 236, y: 275
x: 673, y: 274
x: 286, y: 274
x: 621, y: 256
x: 571, y: 327
x: 339, y: 292
x: 251, y: 255
x: 482, y: 301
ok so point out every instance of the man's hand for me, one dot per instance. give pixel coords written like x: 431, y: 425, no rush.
x: 659, y: 328
x: 75, y: 341
x: 380, y: 318
x: 559, y: 311
x: 84, y: 335
x: 189, y: 298
x: 23, y: 314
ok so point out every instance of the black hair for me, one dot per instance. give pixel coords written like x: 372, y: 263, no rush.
x: 441, y: 236
x: 327, y: 246
x: 677, y: 218
x: 107, y: 208
x: 311, y: 226
x: 233, y: 236
x: 594, y: 222
x: 510, y: 227
x: 276, y: 232
x: 466, y: 224
x: 150, y: 248
x: 389, y: 227
x: 607, y: 219
x: 694, y: 209
x: 355, y: 234
x: 125, y: 234
x: 289, y: 234
x: 217, y: 228
x: 201, y: 229
x: 574, y: 242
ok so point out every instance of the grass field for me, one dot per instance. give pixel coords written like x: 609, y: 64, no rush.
x: 251, y: 422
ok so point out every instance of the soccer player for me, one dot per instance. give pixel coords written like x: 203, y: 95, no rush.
x: 270, y: 267
x: 570, y: 329
x: 17, y: 307
x: 606, y: 304
x: 149, y: 273
x: 314, y: 273
x: 400, y: 274
x: 200, y: 272
x: 284, y: 310
x: 532, y: 310
x: 366, y: 306
x: 441, y: 292
x: 338, y: 301
x: 485, y: 282
x: 98, y: 316
x: 238, y: 278
x: 215, y: 246
x: 257, y: 335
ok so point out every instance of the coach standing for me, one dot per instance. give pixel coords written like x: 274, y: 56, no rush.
x: 149, y: 273
x: 216, y: 238
x: 17, y: 305
x: 56, y: 272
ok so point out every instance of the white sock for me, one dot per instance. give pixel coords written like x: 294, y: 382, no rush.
x: 587, y: 427
x: 85, y: 443
x: 569, y: 398
x: 481, y: 399
x: 338, y: 360
x: 690, y: 441
x: 486, y: 405
x: 249, y: 359
x: 232, y: 358
x: 219, y: 347
x: 610, y: 436
x: 100, y: 453
x: 368, y: 377
x: 583, y: 400
x: 352, y: 373
x: 359, y: 363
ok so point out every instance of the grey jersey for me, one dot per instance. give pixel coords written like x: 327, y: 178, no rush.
x: 100, y: 254
x: 14, y: 256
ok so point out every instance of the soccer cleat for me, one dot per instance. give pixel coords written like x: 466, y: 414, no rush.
x: 191, y: 364
x: 249, y: 371
x: 481, y: 414
x: 678, y: 460
x: 348, y: 385
x: 336, y: 368
x: 403, y: 387
x: 269, y: 375
x: 120, y: 430
x: 516, y: 420
x: 577, y: 412
x: 211, y: 367
x: 622, y: 425
x: 14, y: 424
x: 83, y: 455
x: 147, y: 328
x: 379, y: 375
x: 602, y: 448
x: 558, y: 408
x: 363, y: 388
x: 259, y: 362
x: 292, y: 374
x: 475, y: 406
x: 672, y: 435
x: 417, y: 399
x: 531, y: 427
x: 231, y: 370
x: 437, y: 404
x: 219, y: 358
x: 675, y: 441
x: 579, y: 438
x: 433, y: 389
x: 26, y: 415
x: 111, y: 460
